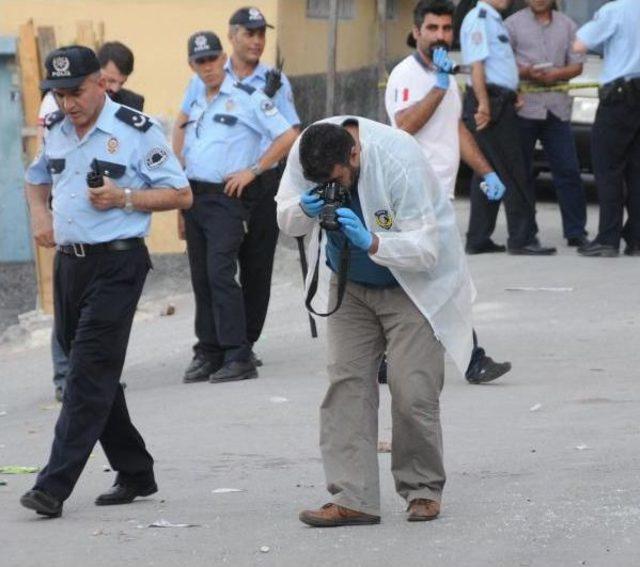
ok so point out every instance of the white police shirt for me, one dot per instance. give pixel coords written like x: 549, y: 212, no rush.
x: 131, y: 149
x: 616, y: 27
x: 439, y: 138
x: 484, y: 37
x: 224, y: 135
x: 405, y: 206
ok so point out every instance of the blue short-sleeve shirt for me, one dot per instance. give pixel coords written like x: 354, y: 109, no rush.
x: 616, y: 28
x: 131, y: 149
x: 484, y: 37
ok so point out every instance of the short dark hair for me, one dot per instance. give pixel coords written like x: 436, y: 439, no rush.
x: 119, y: 53
x: 322, y: 147
x: 437, y: 7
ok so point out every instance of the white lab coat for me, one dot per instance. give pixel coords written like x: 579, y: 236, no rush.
x: 422, y: 248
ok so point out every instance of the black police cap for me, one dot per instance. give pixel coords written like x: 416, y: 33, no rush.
x: 204, y: 44
x: 250, y: 18
x: 69, y: 66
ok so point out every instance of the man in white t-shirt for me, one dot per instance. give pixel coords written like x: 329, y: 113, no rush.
x: 423, y: 101
x: 427, y: 104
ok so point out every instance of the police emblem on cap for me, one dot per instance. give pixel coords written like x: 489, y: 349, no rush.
x: 384, y: 219
x: 268, y: 108
x: 255, y: 14
x: 61, y: 66
x: 200, y: 43
x: 156, y: 157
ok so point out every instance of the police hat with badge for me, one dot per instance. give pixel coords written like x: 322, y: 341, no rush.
x: 249, y: 17
x: 68, y: 67
x: 203, y: 44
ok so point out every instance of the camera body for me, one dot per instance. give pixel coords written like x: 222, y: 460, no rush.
x: 334, y: 196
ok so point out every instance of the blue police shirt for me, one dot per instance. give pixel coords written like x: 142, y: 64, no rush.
x: 616, y: 27
x: 484, y: 37
x: 224, y: 135
x: 132, y: 151
x: 362, y: 269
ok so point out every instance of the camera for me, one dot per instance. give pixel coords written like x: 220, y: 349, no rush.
x: 334, y: 197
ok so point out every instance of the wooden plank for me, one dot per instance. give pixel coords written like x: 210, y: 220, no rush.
x: 382, y: 58
x: 331, y: 58
x: 85, y: 35
x: 30, y: 74
x: 46, y: 43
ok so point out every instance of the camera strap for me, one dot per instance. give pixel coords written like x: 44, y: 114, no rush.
x: 342, y: 278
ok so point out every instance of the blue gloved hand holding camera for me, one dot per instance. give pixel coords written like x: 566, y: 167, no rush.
x: 311, y: 203
x: 354, y: 230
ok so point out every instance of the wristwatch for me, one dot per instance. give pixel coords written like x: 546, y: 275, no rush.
x: 255, y: 169
x: 128, y: 201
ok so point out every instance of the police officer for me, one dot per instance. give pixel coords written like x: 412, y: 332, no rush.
x: 247, y: 35
x: 489, y: 112
x: 100, y: 266
x: 224, y: 157
x: 615, y: 139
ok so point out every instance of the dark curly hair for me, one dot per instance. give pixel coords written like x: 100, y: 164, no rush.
x: 322, y: 147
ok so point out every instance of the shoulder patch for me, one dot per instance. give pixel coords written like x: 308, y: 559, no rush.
x: 246, y: 88
x: 51, y: 119
x: 482, y: 13
x: 133, y: 118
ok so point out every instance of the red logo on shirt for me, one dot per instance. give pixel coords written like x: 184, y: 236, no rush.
x: 405, y: 95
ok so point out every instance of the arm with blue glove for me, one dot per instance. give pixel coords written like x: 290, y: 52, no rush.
x: 311, y: 203
x: 356, y: 232
x: 443, y: 65
x: 493, y: 187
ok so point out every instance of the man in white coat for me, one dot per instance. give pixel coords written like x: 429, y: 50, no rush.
x: 407, y: 291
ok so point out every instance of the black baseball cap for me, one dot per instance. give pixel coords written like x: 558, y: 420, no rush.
x: 250, y: 18
x: 69, y: 66
x: 204, y: 44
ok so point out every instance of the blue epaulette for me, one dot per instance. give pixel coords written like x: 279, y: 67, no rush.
x: 51, y: 119
x: 134, y: 118
x: 482, y: 13
x: 246, y: 88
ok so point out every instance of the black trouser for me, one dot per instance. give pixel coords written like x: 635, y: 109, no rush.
x: 95, y: 300
x: 500, y: 143
x: 257, y: 252
x: 615, y: 148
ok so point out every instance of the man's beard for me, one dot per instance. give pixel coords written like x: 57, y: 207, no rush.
x: 434, y: 45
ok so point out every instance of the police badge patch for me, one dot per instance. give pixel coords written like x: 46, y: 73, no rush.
x: 268, y: 107
x: 112, y: 145
x: 384, y: 219
x: 156, y: 157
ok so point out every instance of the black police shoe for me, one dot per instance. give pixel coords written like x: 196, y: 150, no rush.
x: 43, y: 503
x: 124, y: 494
x: 234, y: 371
x: 490, y: 247
x: 486, y: 370
x: 632, y: 250
x: 596, y: 250
x: 533, y: 249
x: 200, y: 369
x: 257, y: 361
x: 577, y: 241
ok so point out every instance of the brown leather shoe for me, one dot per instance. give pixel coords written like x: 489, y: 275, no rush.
x: 423, y: 510
x: 332, y: 515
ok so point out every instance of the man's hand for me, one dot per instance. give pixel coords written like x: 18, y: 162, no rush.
x: 236, y: 183
x: 494, y: 188
x: 42, y: 229
x: 443, y: 65
x: 354, y: 230
x: 311, y: 203
x: 482, y: 117
x: 182, y: 234
x: 109, y: 196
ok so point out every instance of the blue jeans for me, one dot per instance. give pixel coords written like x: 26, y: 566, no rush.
x: 560, y: 148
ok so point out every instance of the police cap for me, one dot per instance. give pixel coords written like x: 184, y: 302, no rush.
x: 69, y: 66
x: 250, y: 18
x: 204, y: 44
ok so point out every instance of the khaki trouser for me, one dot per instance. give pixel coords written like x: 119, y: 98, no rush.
x: 369, y: 322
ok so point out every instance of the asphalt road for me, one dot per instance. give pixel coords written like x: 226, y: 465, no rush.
x: 543, y: 466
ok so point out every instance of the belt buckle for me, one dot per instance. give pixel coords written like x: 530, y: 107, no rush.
x: 78, y: 250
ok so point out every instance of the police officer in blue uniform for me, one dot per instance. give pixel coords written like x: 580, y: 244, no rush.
x: 490, y: 114
x: 247, y: 35
x: 98, y: 227
x: 224, y: 156
x: 615, y: 138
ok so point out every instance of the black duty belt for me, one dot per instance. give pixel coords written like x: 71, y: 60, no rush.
x: 496, y: 91
x: 204, y: 187
x: 621, y: 90
x: 82, y: 250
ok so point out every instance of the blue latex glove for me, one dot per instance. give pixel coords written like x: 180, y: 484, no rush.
x: 443, y: 65
x: 354, y: 230
x: 494, y: 188
x: 311, y: 203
